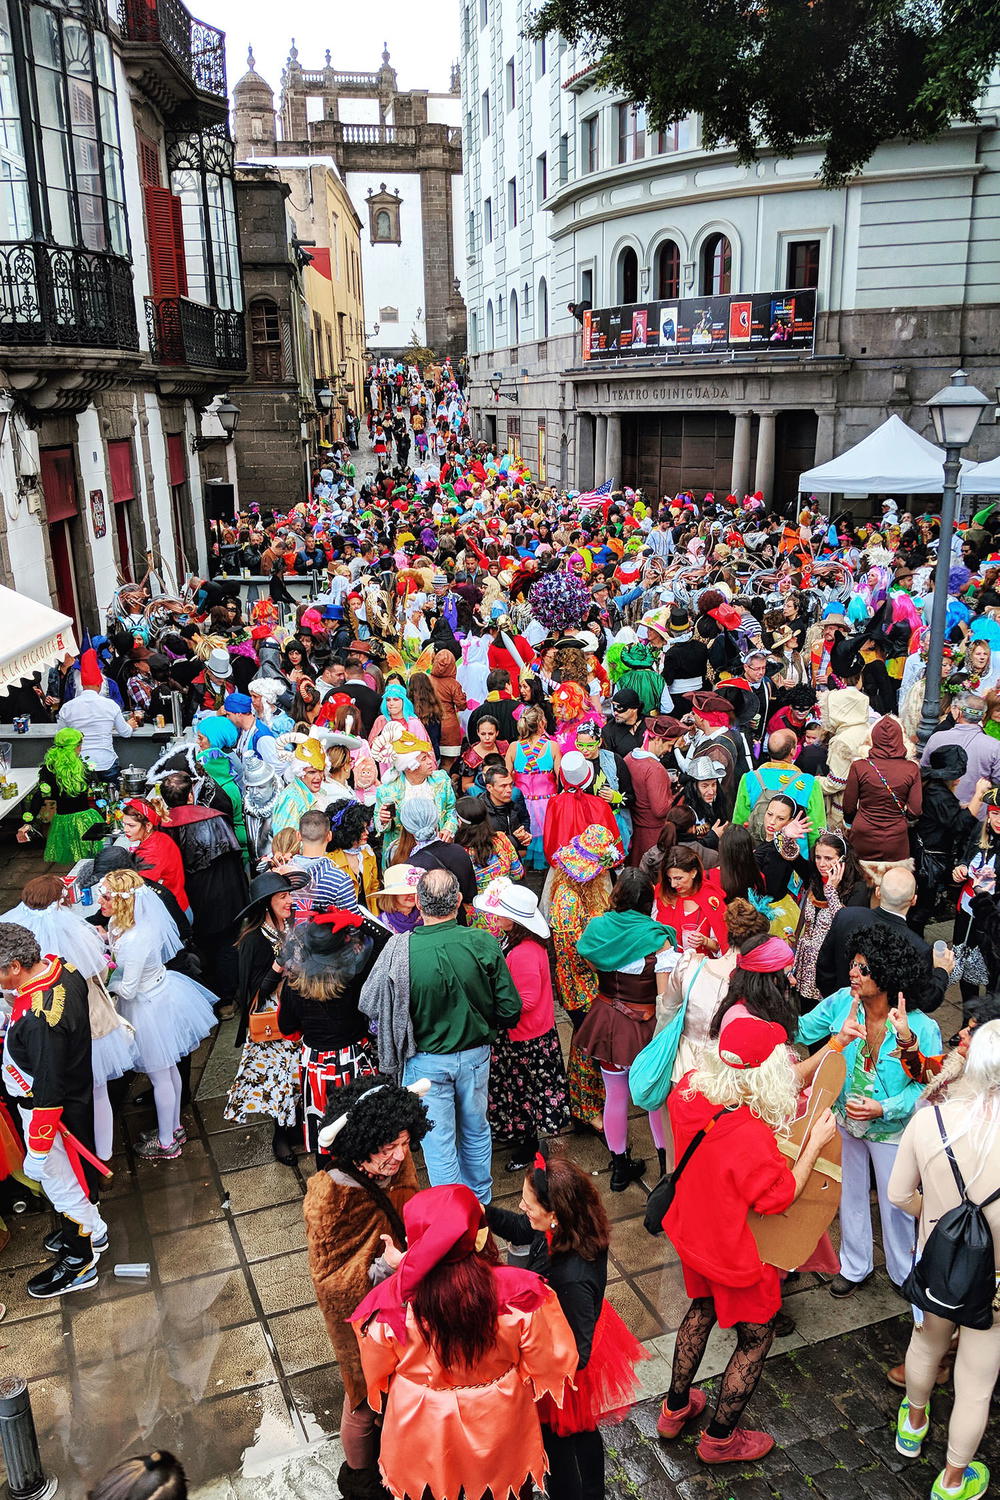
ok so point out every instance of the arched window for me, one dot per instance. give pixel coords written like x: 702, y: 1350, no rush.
x: 627, y: 276
x: 543, y: 309
x: 490, y: 336
x: 668, y: 270
x: 267, y: 361
x: 515, y: 320
x: 716, y: 266
x: 383, y: 225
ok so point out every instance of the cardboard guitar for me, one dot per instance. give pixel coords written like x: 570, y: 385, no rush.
x: 787, y: 1240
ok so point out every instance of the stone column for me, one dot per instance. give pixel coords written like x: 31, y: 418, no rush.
x: 824, y: 437
x: 600, y: 448
x: 613, y: 450
x: 763, y: 478
x: 741, y: 455
x: 584, y: 451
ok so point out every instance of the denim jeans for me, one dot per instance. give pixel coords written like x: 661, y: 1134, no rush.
x: 460, y: 1147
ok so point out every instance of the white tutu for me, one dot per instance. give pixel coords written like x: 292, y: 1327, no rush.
x: 114, y: 1055
x: 171, y: 1016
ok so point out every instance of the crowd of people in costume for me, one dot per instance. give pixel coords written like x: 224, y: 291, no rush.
x: 542, y: 807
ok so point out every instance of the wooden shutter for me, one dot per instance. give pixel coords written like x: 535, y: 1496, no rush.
x: 121, y: 471
x: 165, y: 238
x: 149, y: 160
x: 59, y: 484
x: 176, y: 459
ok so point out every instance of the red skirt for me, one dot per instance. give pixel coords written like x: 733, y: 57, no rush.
x: 604, y: 1391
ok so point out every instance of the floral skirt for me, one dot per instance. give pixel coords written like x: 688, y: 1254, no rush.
x: 266, y: 1082
x: 528, y: 1090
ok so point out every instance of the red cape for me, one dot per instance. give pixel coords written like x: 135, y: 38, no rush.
x: 568, y: 814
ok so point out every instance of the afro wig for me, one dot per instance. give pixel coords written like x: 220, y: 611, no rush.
x: 377, y: 1110
x: 348, y: 821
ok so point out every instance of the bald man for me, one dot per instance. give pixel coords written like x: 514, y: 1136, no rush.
x: 897, y: 893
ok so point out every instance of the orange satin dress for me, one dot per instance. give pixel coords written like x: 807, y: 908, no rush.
x: 467, y: 1429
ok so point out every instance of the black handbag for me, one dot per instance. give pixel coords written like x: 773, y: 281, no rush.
x: 662, y: 1195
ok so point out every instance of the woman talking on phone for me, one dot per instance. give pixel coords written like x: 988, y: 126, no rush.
x: 878, y: 1096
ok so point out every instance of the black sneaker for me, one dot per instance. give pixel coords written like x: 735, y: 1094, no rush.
x: 68, y: 1274
x: 53, y: 1243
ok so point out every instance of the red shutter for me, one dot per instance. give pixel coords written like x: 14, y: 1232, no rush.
x: 176, y: 460
x: 165, y: 237
x: 149, y: 160
x: 122, y: 473
x: 59, y: 484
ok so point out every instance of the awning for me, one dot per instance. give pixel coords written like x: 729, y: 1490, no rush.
x: 982, y: 479
x: 32, y: 637
x: 892, y: 460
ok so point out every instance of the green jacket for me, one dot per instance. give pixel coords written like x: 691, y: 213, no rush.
x: 220, y: 768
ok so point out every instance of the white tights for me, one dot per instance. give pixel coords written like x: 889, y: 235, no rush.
x: 167, y: 1097
x: 104, y: 1123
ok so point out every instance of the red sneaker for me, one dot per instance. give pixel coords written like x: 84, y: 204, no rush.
x: 669, y: 1423
x: 741, y: 1446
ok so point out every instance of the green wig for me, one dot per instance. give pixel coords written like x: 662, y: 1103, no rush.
x: 66, y: 763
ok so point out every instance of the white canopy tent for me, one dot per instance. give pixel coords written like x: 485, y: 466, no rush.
x: 892, y: 460
x: 32, y: 637
x: 982, y: 479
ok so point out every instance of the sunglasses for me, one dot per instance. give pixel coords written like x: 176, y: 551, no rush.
x: 862, y: 969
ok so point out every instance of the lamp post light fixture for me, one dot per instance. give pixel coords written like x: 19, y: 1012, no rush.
x: 955, y: 412
x: 228, y: 414
x: 496, y: 381
x: 343, y: 369
x: 324, y: 399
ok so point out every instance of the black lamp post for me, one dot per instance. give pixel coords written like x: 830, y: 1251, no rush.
x: 955, y: 412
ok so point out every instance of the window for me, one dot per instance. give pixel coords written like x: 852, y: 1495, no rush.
x: 563, y: 159
x: 676, y: 137
x: 383, y: 216
x: 484, y: 12
x: 500, y: 309
x: 667, y: 265
x: 631, y: 133
x: 388, y: 314
x: 803, y: 264
x: 488, y: 219
x: 540, y: 59
x: 542, y: 316
x: 590, y: 143
x: 541, y: 178
x: 515, y: 319
x: 121, y: 472
x: 627, y: 276
x: 484, y: 114
x: 587, y: 287
x: 470, y: 232
x: 512, y: 203
x: 474, y: 333
x: 716, y: 266
x: 490, y: 335
x: 266, y: 359
x: 509, y: 84
x: 201, y: 176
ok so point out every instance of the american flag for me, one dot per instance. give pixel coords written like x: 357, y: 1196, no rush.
x: 593, y: 498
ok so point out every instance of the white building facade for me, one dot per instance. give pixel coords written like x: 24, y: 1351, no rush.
x: 120, y: 296
x: 733, y: 325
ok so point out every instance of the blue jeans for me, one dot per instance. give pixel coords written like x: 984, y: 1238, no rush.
x: 460, y: 1147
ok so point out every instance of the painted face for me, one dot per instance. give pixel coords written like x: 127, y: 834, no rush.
x: 395, y: 707
x: 313, y: 779
x: 387, y: 1161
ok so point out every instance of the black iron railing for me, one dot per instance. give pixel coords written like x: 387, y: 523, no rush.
x: 182, y: 332
x: 199, y: 49
x: 50, y: 295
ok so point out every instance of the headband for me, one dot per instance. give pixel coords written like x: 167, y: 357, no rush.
x: 767, y: 958
x: 329, y: 1133
x: 829, y: 836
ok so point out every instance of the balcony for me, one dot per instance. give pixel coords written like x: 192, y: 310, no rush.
x: 175, y: 59
x: 182, y: 332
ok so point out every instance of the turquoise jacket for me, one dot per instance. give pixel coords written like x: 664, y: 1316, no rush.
x: 891, y: 1085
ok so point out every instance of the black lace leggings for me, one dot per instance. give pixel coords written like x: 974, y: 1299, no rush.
x: 740, y: 1377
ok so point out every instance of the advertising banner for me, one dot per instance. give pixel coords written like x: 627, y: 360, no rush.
x: 746, y: 322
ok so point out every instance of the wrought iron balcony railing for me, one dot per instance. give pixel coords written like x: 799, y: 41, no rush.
x: 59, y: 296
x: 198, y: 49
x: 182, y: 332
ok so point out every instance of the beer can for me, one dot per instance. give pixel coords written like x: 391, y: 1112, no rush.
x: 161, y: 722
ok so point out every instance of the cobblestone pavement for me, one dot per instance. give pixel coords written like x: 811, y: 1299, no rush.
x: 833, y: 1414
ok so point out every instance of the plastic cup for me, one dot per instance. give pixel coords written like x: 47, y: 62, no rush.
x: 137, y: 1270
x: 940, y: 948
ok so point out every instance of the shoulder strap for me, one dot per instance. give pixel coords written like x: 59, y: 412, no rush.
x: 697, y: 1139
x: 956, y: 1170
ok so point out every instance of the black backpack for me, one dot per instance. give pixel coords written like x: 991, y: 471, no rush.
x: 955, y: 1276
x: 665, y: 1190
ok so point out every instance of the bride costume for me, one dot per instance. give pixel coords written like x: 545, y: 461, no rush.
x: 63, y: 931
x: 170, y: 1013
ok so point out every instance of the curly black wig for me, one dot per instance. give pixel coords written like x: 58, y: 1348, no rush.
x: 377, y: 1110
x: 348, y: 821
x: 895, y: 966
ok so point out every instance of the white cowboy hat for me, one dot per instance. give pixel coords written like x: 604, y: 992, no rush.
x: 502, y: 898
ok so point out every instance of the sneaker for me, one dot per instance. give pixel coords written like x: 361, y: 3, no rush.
x: 53, y: 1242
x: 741, y: 1446
x: 669, y: 1423
x: 151, y: 1150
x: 67, y: 1275
x: 180, y: 1136
x: 974, y: 1482
x: 909, y: 1440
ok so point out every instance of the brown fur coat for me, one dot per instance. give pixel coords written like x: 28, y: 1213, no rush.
x: 343, y: 1232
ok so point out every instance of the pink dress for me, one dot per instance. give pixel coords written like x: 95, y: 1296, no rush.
x: 535, y: 777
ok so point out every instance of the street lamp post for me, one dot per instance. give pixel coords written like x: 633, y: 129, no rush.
x: 955, y: 412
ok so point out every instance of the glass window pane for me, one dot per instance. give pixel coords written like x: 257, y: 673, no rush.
x: 45, y: 38
x: 76, y: 49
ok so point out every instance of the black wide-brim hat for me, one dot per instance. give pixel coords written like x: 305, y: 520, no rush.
x: 269, y: 883
x: 947, y: 763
